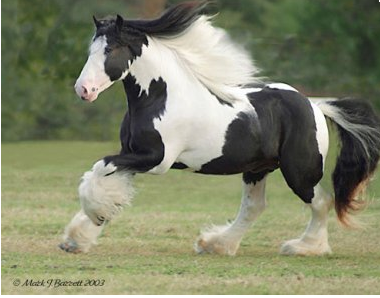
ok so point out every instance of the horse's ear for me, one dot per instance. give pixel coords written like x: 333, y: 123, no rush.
x: 119, y: 23
x: 96, y: 22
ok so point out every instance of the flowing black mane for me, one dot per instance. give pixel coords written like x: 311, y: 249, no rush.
x: 173, y: 21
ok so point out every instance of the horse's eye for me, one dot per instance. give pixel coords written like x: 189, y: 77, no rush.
x: 107, y: 50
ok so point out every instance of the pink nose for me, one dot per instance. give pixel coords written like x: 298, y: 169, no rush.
x: 86, y: 91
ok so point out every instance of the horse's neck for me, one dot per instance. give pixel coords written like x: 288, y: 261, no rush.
x: 160, y: 63
x: 157, y: 61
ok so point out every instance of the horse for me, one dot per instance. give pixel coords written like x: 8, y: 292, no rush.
x: 195, y: 102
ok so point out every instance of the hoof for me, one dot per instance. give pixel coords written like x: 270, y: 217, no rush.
x: 70, y: 246
x: 300, y: 247
x: 218, y: 244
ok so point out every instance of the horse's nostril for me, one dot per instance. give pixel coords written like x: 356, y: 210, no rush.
x: 84, y: 90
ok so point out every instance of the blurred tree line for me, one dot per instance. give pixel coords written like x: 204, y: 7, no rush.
x: 322, y: 47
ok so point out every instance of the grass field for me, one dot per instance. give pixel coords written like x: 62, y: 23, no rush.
x: 148, y: 249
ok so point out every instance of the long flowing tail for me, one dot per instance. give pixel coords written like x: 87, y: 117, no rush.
x: 359, y: 131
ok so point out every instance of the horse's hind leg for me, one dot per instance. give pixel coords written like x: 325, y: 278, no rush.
x: 314, y: 240
x: 226, y: 239
x: 302, y: 170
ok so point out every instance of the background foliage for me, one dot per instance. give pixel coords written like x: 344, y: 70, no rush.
x: 322, y: 47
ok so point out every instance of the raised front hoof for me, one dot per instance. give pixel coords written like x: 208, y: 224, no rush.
x: 70, y: 246
x: 215, y: 245
x: 298, y: 247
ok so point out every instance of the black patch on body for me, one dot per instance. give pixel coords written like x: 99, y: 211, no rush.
x: 249, y: 177
x: 289, y: 127
x: 142, y: 146
x: 179, y: 166
x: 242, y: 150
x: 283, y: 136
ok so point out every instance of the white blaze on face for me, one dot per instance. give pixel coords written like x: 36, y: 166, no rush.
x: 93, y: 78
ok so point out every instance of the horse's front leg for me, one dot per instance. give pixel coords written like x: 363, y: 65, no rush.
x: 80, y: 234
x: 103, y: 192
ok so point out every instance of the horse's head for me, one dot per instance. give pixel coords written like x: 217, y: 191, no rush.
x: 113, y: 49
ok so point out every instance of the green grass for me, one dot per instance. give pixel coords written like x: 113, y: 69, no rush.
x: 148, y: 249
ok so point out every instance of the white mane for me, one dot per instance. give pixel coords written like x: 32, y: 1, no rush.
x: 217, y: 62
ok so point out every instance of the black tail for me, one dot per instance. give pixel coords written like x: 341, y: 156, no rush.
x: 359, y: 132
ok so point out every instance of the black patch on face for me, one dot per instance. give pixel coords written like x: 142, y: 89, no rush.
x: 124, y: 44
x: 117, y: 62
x: 137, y: 133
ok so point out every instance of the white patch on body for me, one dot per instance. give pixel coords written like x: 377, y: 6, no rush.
x: 144, y: 68
x: 252, y: 90
x: 322, y: 133
x: 281, y: 86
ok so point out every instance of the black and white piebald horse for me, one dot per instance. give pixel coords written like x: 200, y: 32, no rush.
x: 194, y: 103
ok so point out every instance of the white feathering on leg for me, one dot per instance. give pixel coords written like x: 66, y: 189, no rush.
x: 104, y: 192
x: 80, y: 234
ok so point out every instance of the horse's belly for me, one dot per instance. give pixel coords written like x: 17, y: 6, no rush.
x: 233, y: 158
x: 196, y: 158
x: 234, y: 149
x: 205, y: 142
x: 227, y: 165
